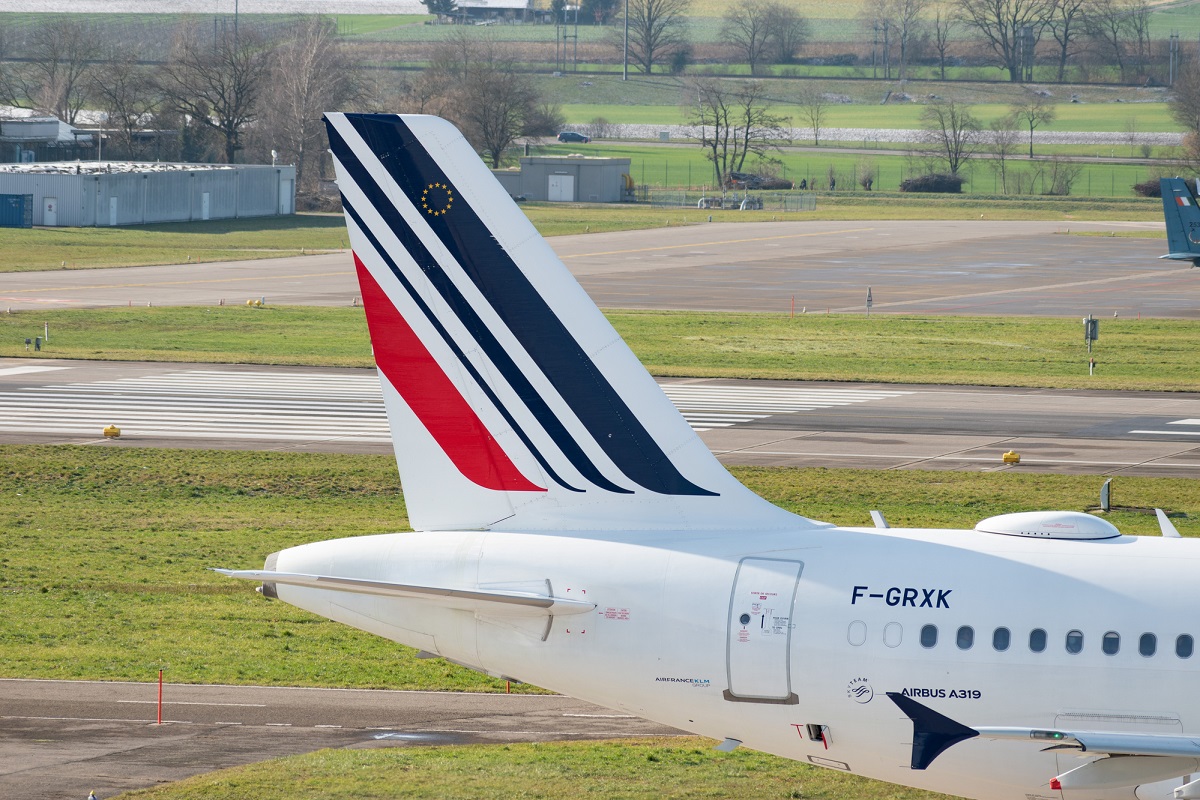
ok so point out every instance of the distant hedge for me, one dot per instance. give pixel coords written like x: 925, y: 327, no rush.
x: 1150, y: 188
x: 946, y: 184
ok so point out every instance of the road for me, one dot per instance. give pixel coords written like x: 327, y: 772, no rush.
x: 915, y: 267
x: 64, y: 738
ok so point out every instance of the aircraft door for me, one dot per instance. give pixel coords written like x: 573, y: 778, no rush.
x: 760, y: 631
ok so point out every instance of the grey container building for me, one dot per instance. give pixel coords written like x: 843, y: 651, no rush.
x: 102, y: 194
x: 569, y: 179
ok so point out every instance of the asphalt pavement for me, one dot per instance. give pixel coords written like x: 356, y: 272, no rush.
x: 967, y: 267
x: 65, y: 738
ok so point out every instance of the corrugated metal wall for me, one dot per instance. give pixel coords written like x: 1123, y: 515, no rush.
x: 168, y: 196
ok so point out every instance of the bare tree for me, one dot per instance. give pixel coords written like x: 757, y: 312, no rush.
x: 493, y: 108
x: 951, y: 133
x: 1185, y: 99
x: 1005, y: 138
x: 1066, y: 22
x: 57, y: 76
x: 943, y: 25
x: 311, y: 74
x: 906, y: 18
x: 764, y: 31
x: 735, y: 122
x: 599, y: 12
x: 1107, y: 24
x: 787, y: 32
x: 1139, y: 12
x: 657, y: 32
x: 1034, y: 110
x: 1062, y: 175
x: 876, y: 16
x: 1000, y: 24
x: 813, y: 105
x: 217, y: 81
x: 483, y: 93
x: 125, y: 92
x: 745, y: 27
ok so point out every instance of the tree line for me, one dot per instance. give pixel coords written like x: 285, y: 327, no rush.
x: 255, y: 93
x: 1012, y: 35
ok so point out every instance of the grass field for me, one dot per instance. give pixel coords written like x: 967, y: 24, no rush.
x: 1148, y: 354
x: 685, y: 165
x: 169, y: 243
x: 1148, y: 117
x: 104, y: 571
x: 646, y: 769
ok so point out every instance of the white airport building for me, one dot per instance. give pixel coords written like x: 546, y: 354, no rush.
x: 110, y: 193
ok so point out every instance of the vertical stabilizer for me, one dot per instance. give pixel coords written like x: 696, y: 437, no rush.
x: 512, y: 401
x: 1183, y: 220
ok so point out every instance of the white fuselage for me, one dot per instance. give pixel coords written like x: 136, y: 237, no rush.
x: 717, y: 635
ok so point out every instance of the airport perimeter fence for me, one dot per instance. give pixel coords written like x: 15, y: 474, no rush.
x: 770, y: 201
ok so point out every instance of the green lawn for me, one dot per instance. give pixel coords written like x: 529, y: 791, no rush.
x: 646, y: 769
x: 1147, y: 354
x: 170, y: 243
x: 685, y: 165
x: 104, y: 570
x: 1147, y: 117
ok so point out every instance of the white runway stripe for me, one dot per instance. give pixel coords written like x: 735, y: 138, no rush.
x: 238, y: 404
x: 701, y: 404
x: 1176, y: 431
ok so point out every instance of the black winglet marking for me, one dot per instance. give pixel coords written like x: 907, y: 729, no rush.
x: 933, y: 733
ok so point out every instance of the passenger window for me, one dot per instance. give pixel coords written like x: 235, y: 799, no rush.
x: 856, y: 634
x: 1148, y: 644
x: 966, y: 637
x: 929, y: 636
x: 1037, y: 640
x: 1111, y: 643
x: 1183, y: 646
x: 1000, y: 638
x: 1074, y: 641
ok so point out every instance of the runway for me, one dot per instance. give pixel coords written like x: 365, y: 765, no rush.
x: 915, y: 267
x: 65, y: 738
x: 766, y: 423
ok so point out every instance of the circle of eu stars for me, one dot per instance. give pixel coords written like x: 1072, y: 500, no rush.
x: 437, y: 199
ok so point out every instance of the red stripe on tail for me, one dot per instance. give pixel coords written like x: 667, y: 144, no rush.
x: 433, y: 398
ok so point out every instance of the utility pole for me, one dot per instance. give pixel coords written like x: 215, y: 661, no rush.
x: 625, y: 57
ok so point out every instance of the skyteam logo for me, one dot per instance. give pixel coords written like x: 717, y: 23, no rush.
x: 859, y: 690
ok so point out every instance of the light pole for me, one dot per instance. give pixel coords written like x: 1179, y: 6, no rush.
x: 625, y: 57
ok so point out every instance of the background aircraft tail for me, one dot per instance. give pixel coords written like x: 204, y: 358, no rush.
x: 1183, y: 220
x: 513, y: 403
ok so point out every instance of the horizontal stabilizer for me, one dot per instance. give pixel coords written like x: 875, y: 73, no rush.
x: 489, y: 600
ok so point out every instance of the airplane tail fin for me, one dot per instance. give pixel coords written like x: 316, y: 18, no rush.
x: 1183, y: 220
x: 513, y: 403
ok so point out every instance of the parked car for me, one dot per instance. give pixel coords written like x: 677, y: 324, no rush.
x: 572, y: 136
